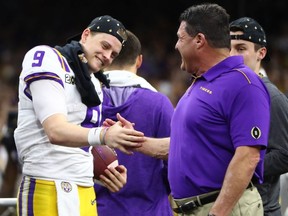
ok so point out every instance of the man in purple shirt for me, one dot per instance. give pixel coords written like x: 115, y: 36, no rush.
x: 219, y: 130
x: 147, y: 189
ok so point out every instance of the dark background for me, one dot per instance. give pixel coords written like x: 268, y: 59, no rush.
x: 32, y: 22
x: 26, y: 23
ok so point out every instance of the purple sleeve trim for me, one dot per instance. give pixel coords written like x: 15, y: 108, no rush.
x: 40, y: 76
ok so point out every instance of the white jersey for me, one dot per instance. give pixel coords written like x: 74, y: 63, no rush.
x: 40, y: 158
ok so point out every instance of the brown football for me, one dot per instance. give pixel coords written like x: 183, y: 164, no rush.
x: 104, y: 157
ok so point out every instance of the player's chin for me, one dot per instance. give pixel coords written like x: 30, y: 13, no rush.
x: 96, y: 66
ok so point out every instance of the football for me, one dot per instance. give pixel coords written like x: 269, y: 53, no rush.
x: 104, y: 157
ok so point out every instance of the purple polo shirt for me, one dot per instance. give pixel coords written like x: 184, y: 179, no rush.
x: 227, y: 107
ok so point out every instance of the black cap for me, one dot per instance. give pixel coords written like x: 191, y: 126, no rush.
x: 251, y: 29
x: 105, y: 24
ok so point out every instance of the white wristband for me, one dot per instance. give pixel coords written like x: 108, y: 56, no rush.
x: 94, y: 136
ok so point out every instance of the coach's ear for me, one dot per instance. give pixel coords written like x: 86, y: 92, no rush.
x: 200, y: 40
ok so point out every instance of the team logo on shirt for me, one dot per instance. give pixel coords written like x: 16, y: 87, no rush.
x: 256, y: 132
x: 66, y: 186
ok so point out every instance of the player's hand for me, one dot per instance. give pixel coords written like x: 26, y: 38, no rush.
x: 108, y: 122
x: 123, y: 139
x: 121, y: 135
x: 125, y: 123
x: 116, y: 178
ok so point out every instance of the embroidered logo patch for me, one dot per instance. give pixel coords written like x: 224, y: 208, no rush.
x: 256, y: 132
x: 66, y: 186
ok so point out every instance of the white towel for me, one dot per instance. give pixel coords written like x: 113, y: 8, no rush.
x: 67, y: 198
x: 123, y: 78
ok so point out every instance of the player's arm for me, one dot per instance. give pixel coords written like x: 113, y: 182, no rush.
x: 49, y: 104
x: 61, y: 132
x: 237, y: 178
